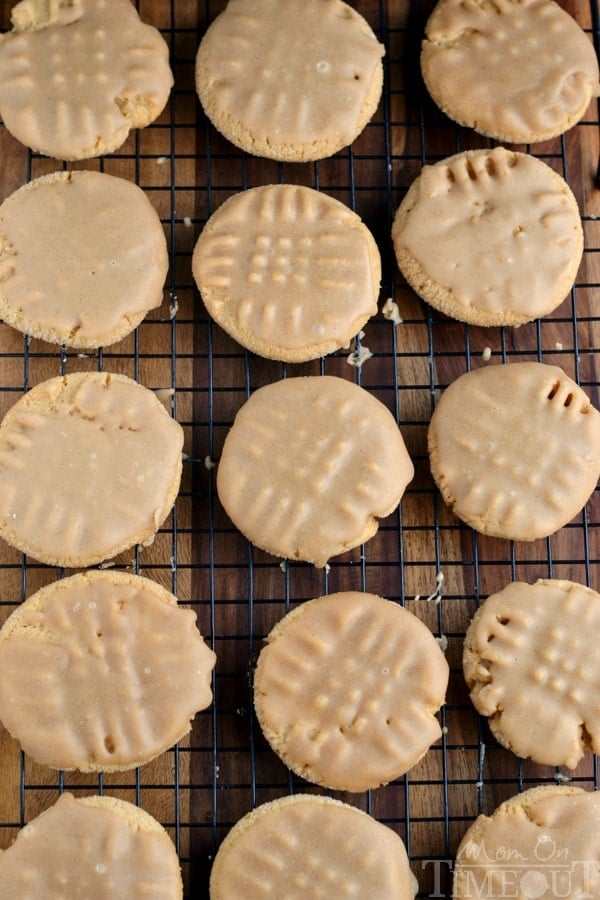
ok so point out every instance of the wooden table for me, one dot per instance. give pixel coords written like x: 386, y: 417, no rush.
x: 201, y: 788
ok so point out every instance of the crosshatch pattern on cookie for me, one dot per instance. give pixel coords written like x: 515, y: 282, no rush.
x: 308, y: 466
x: 531, y: 663
x: 517, y: 70
x: 347, y: 688
x: 94, y: 846
x: 289, y: 272
x: 124, y: 671
x: 514, y: 449
x: 490, y: 237
x: 297, y: 99
x: 112, y: 489
x: 287, y: 846
x: 544, y: 842
x: 74, y: 81
x: 81, y: 293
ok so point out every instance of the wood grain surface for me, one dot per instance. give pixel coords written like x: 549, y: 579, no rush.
x: 199, y: 789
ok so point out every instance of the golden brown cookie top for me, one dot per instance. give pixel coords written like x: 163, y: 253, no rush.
x: 531, y: 663
x: 347, y: 688
x: 287, y: 271
x: 76, y: 76
x: 543, y: 843
x: 91, y: 848
x: 309, y: 465
x: 518, y: 70
x: 90, y: 464
x: 491, y: 237
x: 289, y: 80
x: 102, y: 671
x: 515, y: 449
x: 83, y: 257
x: 294, y: 846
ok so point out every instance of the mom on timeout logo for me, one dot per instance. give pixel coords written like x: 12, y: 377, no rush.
x: 506, y: 872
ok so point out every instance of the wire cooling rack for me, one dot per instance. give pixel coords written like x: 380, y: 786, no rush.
x: 224, y: 768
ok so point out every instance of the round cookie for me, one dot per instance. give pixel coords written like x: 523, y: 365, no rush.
x: 515, y: 449
x: 81, y: 293
x: 287, y: 271
x: 367, y: 678
x: 90, y: 464
x: 543, y: 843
x: 77, y: 76
x: 297, y: 845
x: 490, y: 237
x: 531, y: 663
x: 309, y: 465
x: 101, y: 672
x: 91, y: 847
x: 289, y: 81
x: 519, y: 71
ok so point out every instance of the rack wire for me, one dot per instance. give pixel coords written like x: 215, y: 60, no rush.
x: 224, y: 768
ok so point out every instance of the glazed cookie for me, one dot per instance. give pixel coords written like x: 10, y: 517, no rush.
x: 82, y: 293
x: 520, y: 71
x: 125, y: 666
x: 515, y: 449
x: 367, y: 678
x: 295, y: 846
x: 309, y: 465
x: 90, y: 464
x: 490, y: 237
x: 287, y: 271
x: 531, y: 662
x: 91, y: 848
x: 543, y: 843
x: 287, y: 80
x: 77, y: 75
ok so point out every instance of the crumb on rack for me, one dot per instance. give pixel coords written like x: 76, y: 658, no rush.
x: 165, y: 395
x: 360, y: 354
x: 562, y: 779
x: 209, y: 463
x: 161, y: 160
x: 187, y: 221
x: 558, y: 346
x: 486, y: 354
x: 390, y: 311
x: 481, y: 756
x: 358, y: 357
x: 436, y: 596
x: 443, y: 642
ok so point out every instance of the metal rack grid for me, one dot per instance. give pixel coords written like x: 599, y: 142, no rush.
x: 200, y: 788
